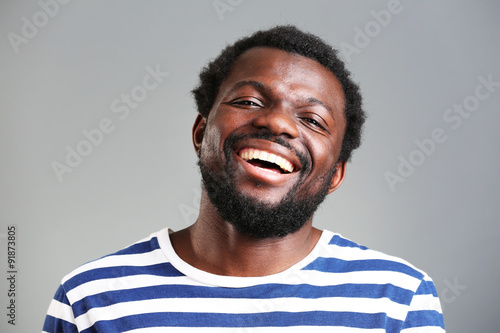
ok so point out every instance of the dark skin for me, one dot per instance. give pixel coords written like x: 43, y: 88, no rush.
x: 290, y: 96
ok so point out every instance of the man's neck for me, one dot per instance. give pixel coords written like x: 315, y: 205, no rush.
x: 214, y: 246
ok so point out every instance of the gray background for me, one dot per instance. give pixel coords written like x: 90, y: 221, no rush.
x: 143, y: 175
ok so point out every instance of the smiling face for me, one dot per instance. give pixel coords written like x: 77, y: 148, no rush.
x: 273, y: 137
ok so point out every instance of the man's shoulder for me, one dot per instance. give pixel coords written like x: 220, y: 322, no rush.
x: 342, y: 255
x: 138, y: 258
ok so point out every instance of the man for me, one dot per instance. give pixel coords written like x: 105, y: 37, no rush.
x: 278, y: 119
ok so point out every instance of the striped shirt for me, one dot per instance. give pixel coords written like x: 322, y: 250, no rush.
x: 339, y: 287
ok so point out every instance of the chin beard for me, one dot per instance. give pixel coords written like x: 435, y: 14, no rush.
x: 256, y: 218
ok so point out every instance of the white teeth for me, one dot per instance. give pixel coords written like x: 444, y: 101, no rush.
x: 244, y: 155
x: 251, y: 153
x: 263, y: 155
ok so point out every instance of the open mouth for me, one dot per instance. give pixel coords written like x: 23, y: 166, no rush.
x: 266, y: 160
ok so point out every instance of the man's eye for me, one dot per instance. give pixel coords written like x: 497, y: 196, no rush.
x: 313, y: 122
x: 246, y: 103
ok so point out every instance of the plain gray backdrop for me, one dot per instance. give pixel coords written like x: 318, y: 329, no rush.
x: 423, y: 186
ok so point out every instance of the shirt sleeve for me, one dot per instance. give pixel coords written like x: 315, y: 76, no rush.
x: 60, y: 318
x: 425, y: 314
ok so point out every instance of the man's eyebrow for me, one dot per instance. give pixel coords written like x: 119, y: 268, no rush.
x: 315, y: 101
x: 259, y: 85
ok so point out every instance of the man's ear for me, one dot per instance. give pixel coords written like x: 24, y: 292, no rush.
x: 338, y: 177
x: 198, y: 132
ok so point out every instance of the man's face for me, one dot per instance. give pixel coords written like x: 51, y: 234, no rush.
x: 272, y: 140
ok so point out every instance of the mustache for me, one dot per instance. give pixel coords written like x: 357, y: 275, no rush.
x: 232, y: 139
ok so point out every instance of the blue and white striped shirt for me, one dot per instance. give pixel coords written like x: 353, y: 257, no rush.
x: 339, y: 287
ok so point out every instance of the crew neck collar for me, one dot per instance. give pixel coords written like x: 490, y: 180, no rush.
x: 236, y: 281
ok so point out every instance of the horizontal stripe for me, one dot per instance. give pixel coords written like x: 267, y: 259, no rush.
x: 425, y: 288
x: 424, y: 329
x: 424, y: 302
x: 334, y: 265
x: 161, y: 269
x: 344, y: 242
x: 140, y: 259
x: 53, y: 324
x: 314, y: 278
x: 61, y: 311
x: 397, y: 279
x: 60, y: 295
x: 126, y: 282
x: 269, y: 291
x: 272, y: 319
x: 240, y: 306
x: 424, y: 318
x: 358, y: 253
x: 294, y: 329
x: 140, y: 247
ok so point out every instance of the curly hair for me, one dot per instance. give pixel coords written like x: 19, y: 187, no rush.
x: 290, y: 39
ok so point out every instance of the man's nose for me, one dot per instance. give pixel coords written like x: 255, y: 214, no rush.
x: 279, y: 121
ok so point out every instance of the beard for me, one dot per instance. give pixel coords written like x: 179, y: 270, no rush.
x: 257, y: 218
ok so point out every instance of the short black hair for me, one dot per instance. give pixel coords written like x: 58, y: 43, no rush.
x: 290, y: 39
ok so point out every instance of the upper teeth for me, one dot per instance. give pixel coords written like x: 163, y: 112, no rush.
x: 251, y: 153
